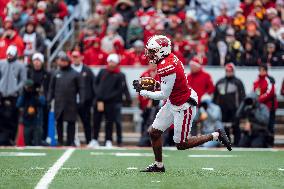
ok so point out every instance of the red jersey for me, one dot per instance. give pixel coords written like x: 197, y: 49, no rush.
x: 181, y: 91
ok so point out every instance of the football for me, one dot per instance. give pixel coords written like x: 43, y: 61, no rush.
x: 149, y: 84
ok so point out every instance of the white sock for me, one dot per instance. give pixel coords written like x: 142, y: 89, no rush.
x: 159, y: 164
x: 215, y: 135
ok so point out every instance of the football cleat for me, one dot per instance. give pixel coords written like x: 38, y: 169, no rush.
x: 154, y: 168
x: 224, y: 139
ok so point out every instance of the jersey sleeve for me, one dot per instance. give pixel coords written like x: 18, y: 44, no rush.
x: 166, y: 70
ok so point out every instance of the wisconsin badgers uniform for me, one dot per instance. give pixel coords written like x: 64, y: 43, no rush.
x: 175, y: 89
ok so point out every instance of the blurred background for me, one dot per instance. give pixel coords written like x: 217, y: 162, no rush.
x: 67, y: 66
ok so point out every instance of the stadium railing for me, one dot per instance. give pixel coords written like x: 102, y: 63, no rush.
x: 64, y: 34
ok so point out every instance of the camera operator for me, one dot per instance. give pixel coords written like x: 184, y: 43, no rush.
x: 210, y: 118
x: 255, y: 116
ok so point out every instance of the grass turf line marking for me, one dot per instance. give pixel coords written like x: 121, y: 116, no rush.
x: 210, y: 156
x: 21, y: 154
x: 280, y: 169
x: 156, y: 181
x: 131, y: 168
x: 125, y: 154
x: 208, y: 169
x: 52, y: 171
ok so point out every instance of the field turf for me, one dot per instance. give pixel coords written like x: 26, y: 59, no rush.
x: 119, y: 169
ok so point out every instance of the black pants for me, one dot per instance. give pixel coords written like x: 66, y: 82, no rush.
x: 117, y: 121
x: 271, y: 124
x: 32, y: 134
x: 8, y: 120
x: 254, y: 141
x: 45, y: 122
x: 85, y: 115
x: 109, y: 114
x: 70, y: 131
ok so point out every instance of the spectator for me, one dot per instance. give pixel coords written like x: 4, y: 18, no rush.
x: 253, y: 34
x: 239, y: 20
x: 32, y: 40
x: 229, y: 93
x: 94, y: 55
x: 234, y: 46
x: 45, y: 26
x: 12, y: 79
x: 137, y: 54
x: 134, y: 31
x: 271, y: 56
x: 250, y: 56
x: 64, y: 86
x: 254, y: 127
x: 247, y: 7
x: 107, y: 42
x: 10, y: 37
x: 125, y: 9
x: 56, y: 11
x: 19, y: 18
x: 274, y: 28
x: 41, y: 79
x: 109, y: 91
x: 88, y: 78
x: 146, y: 12
x: 124, y: 56
x: 264, y: 87
x: 199, y: 80
x: 210, y: 118
x: 31, y: 105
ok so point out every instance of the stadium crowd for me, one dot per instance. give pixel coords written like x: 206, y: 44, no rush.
x: 220, y: 33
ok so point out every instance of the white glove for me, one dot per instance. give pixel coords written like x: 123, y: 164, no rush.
x: 194, y: 96
x: 144, y: 93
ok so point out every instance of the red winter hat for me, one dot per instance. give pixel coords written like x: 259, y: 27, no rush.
x: 230, y: 67
x: 195, y: 61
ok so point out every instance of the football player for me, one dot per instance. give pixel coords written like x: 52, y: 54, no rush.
x: 180, y: 107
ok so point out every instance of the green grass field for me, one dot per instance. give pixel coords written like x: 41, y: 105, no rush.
x: 119, y: 168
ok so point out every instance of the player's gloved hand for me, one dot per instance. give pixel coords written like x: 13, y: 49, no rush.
x: 136, y: 85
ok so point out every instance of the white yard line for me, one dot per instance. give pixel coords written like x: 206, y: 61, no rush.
x: 52, y: 171
x: 208, y: 169
x: 211, y: 156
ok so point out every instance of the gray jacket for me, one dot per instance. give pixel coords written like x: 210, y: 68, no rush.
x: 214, y: 120
x: 12, y: 78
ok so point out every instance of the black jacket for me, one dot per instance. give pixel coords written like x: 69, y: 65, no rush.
x: 229, y: 93
x: 41, y: 79
x: 64, y: 87
x: 249, y: 58
x: 110, y: 86
x: 88, y: 78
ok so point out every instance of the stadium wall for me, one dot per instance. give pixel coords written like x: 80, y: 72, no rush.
x: 247, y: 74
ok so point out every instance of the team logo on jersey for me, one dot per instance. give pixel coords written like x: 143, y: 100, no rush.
x: 163, y: 42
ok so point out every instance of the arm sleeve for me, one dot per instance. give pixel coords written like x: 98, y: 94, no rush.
x: 167, y: 84
x: 210, y: 85
x: 22, y: 78
x: 268, y: 94
x: 50, y: 94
